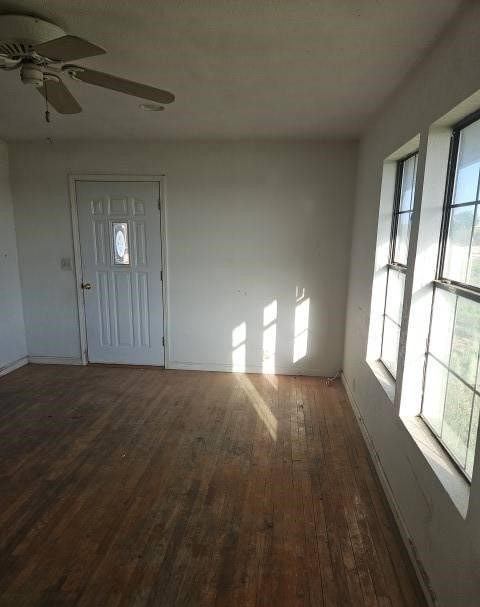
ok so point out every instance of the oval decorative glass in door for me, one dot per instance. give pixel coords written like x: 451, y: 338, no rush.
x: 120, y: 244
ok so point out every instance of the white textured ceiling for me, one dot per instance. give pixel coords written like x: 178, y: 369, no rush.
x: 239, y: 68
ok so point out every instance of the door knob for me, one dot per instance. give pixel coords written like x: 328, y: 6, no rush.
x: 86, y: 285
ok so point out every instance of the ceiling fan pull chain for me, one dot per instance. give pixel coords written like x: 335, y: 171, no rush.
x: 47, y: 112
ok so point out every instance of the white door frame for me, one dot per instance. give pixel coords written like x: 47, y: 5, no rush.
x: 77, y: 255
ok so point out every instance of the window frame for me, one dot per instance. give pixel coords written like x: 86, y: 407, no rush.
x: 457, y: 288
x: 397, y: 212
x: 392, y: 264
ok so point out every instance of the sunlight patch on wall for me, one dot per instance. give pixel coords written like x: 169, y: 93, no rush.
x: 269, y: 337
x: 302, y: 315
x: 299, y: 293
x: 270, y: 313
x: 239, y: 337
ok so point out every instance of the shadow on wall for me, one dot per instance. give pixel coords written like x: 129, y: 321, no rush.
x: 299, y: 332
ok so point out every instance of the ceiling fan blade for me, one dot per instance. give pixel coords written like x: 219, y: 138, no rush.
x: 121, y: 85
x: 68, y: 48
x: 9, y: 64
x: 59, y: 97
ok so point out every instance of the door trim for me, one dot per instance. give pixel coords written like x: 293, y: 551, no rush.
x: 77, y: 256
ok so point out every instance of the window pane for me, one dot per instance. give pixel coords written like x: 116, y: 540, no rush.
x: 443, y: 317
x: 434, y: 395
x: 395, y: 288
x: 120, y: 244
x: 473, y: 274
x: 466, y: 340
x: 403, y: 236
x: 408, y: 184
x: 391, y: 336
x: 458, y: 243
x: 473, y: 436
x: 456, y: 420
x: 468, y: 165
x: 448, y: 394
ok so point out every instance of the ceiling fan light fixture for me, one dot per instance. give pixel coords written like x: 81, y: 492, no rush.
x: 151, y: 107
x: 32, y: 74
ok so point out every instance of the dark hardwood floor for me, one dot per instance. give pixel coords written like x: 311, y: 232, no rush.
x: 169, y: 488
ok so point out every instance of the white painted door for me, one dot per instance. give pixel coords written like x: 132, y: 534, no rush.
x: 120, y: 242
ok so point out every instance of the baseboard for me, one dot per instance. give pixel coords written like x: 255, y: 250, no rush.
x: 54, y: 360
x: 228, y: 368
x: 16, y: 364
x: 194, y: 366
x: 401, y: 524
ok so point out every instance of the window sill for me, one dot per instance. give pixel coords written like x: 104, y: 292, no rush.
x: 447, y: 473
x: 384, y: 378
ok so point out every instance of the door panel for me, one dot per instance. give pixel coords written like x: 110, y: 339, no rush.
x: 121, y: 250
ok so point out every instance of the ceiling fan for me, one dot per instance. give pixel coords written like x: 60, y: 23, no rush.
x: 42, y: 52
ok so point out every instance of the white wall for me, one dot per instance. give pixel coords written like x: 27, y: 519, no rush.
x: 247, y: 224
x: 447, y: 544
x: 12, y: 329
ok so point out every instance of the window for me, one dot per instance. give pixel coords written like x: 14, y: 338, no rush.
x: 397, y: 266
x: 451, y: 391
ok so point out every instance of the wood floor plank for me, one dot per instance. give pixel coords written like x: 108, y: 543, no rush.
x: 143, y: 487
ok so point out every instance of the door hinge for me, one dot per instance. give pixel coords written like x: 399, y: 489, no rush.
x: 161, y: 275
x: 163, y: 341
x: 159, y: 204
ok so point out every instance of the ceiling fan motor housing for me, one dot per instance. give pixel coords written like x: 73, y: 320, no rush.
x: 20, y: 33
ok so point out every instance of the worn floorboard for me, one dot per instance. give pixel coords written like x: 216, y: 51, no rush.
x: 143, y: 487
